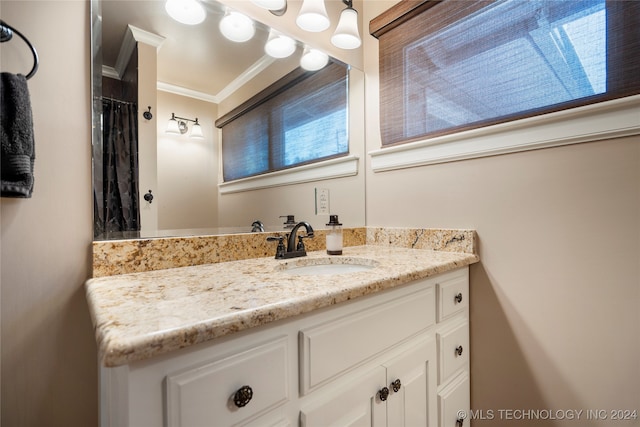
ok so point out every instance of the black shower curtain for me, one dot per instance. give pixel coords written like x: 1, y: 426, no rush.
x: 119, y: 208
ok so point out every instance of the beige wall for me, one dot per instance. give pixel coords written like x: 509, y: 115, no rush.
x: 49, y: 371
x: 555, y: 300
x: 187, y: 193
x: 147, y: 134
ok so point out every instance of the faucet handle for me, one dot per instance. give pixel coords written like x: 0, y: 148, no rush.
x: 290, y: 222
x: 300, y: 246
x: 280, y: 250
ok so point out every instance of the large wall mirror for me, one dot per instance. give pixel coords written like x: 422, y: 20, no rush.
x: 147, y: 67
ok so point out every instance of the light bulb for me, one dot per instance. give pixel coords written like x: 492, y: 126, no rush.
x: 237, y: 27
x: 196, y: 130
x: 271, y: 4
x: 346, y: 35
x: 189, y: 12
x: 279, y: 45
x: 313, y: 59
x: 172, y: 126
x: 313, y: 16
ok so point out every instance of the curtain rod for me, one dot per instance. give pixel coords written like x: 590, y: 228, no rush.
x: 106, y: 98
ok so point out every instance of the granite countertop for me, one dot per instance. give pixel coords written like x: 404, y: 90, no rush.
x: 141, y: 315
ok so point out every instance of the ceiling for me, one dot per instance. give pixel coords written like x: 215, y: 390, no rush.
x: 196, y: 57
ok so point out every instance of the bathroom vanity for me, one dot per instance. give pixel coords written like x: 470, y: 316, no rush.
x: 264, y: 342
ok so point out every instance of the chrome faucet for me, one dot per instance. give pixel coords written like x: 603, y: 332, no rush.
x: 257, y: 226
x: 292, y: 250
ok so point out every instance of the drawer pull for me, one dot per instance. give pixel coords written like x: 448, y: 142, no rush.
x: 383, y: 393
x: 459, y: 422
x: 243, y: 396
x: 396, y: 385
x: 459, y: 350
x: 458, y: 298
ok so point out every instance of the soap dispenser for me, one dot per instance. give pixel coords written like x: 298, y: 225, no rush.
x: 334, y: 236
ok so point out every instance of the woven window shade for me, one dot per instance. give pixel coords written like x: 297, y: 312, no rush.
x: 300, y: 119
x: 448, y: 66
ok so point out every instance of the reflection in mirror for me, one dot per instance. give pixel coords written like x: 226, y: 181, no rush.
x: 146, y: 62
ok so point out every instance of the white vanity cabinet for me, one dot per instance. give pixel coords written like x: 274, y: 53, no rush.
x: 453, y: 350
x: 399, y: 357
x: 395, y: 393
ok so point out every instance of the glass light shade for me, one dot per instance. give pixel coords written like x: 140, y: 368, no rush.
x: 237, y: 27
x: 172, y: 126
x: 189, y: 12
x: 279, y: 45
x: 196, y: 130
x: 271, y: 4
x: 313, y: 16
x: 313, y: 59
x: 346, y: 35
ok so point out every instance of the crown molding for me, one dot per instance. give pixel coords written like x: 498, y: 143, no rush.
x: 132, y: 36
x: 183, y: 91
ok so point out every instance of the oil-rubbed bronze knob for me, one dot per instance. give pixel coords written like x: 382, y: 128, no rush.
x: 459, y: 350
x: 383, y: 393
x: 458, y: 298
x: 396, y: 385
x: 243, y: 396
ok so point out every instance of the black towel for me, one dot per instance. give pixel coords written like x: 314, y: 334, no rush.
x: 16, y: 134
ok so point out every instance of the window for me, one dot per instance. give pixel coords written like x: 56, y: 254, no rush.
x: 451, y: 66
x: 299, y: 120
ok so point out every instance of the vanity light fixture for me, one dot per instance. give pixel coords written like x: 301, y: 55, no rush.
x: 237, y: 27
x: 347, y: 35
x: 189, y: 12
x: 313, y: 59
x: 276, y: 7
x: 313, y: 16
x: 279, y: 46
x: 178, y: 125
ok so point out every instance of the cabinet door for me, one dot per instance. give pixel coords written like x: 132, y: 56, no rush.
x: 454, y: 400
x: 416, y: 370
x: 205, y: 394
x: 351, y: 404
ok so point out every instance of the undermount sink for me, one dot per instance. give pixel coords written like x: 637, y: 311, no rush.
x: 327, y: 266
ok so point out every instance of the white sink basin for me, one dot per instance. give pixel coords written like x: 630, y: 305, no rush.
x: 327, y: 266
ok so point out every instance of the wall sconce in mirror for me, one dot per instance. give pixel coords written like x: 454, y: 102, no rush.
x: 347, y: 35
x: 279, y: 46
x: 237, y: 27
x: 276, y: 7
x: 188, y: 12
x: 178, y: 126
x: 313, y: 59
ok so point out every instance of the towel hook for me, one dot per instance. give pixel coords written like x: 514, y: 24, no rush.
x: 6, y: 33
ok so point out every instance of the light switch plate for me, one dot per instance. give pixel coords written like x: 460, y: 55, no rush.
x: 322, y: 201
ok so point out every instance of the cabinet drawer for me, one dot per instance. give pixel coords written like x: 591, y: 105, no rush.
x: 330, y: 348
x: 453, y: 350
x: 453, y: 295
x: 453, y: 399
x: 204, y: 394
